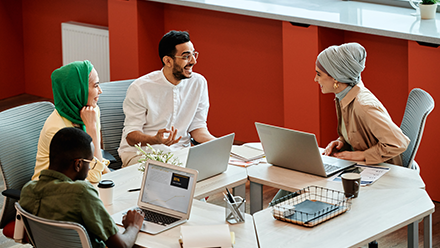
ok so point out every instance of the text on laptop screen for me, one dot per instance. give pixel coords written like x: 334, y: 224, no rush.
x: 167, y: 188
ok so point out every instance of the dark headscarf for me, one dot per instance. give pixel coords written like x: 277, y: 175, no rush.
x: 70, y: 86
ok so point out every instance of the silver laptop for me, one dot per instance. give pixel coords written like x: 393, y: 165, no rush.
x: 210, y: 158
x: 166, y: 196
x: 297, y: 151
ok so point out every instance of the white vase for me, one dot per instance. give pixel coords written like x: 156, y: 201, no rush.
x: 427, y: 11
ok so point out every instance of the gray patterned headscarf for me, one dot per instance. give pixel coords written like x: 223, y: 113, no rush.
x: 344, y: 63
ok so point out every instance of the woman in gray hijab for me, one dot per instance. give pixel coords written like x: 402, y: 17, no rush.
x: 366, y: 130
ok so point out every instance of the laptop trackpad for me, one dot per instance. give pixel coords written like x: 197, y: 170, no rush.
x: 153, y: 228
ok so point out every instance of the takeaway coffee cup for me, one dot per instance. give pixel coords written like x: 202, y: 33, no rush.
x: 105, y: 188
x: 351, y: 183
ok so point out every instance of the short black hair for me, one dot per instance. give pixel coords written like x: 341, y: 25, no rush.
x: 168, y: 43
x: 68, y: 144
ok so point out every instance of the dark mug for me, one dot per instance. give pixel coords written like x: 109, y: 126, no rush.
x: 351, y: 183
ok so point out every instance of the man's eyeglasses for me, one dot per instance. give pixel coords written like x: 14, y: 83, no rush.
x: 189, y: 56
x: 90, y: 161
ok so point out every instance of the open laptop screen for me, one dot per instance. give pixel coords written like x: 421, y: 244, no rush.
x: 168, y: 188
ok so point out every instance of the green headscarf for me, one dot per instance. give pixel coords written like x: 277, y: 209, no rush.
x: 70, y: 86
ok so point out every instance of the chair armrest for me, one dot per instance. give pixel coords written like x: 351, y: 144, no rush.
x: 108, y: 156
x: 12, y: 193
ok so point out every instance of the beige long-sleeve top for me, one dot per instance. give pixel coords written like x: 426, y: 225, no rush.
x: 369, y: 127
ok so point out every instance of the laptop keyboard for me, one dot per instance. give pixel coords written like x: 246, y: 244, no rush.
x: 158, y: 218
x: 330, y: 167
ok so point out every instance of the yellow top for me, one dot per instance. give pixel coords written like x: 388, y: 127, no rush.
x: 54, y: 123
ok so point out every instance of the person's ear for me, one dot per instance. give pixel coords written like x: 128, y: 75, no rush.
x: 77, y: 165
x: 168, y: 61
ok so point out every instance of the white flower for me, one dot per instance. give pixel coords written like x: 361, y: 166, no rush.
x: 157, y: 155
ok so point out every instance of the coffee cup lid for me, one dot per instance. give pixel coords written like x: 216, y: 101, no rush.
x: 106, y: 184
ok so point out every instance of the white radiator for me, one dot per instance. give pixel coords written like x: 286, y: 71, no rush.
x: 87, y: 42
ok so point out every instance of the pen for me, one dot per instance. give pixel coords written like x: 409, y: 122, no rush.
x: 233, y: 209
x: 132, y: 190
x: 231, y: 199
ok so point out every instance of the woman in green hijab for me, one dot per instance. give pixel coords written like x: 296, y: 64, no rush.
x: 76, y: 91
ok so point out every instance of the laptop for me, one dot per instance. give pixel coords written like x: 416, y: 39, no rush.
x: 297, y: 151
x: 210, y: 158
x: 165, y: 197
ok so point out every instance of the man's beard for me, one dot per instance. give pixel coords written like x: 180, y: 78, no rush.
x: 178, y: 73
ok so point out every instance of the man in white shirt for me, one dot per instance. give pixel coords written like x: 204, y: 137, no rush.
x: 166, y: 108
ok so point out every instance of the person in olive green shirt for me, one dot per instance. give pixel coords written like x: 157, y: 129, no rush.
x: 62, y: 193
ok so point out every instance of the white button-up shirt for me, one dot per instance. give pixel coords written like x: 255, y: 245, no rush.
x: 153, y: 103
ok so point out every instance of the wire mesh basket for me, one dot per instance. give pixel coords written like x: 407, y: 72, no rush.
x: 310, y: 206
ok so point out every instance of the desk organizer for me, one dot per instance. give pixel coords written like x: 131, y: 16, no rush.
x: 235, y: 212
x: 310, y: 206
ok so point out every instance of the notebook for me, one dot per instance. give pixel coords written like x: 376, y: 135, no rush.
x: 210, y: 158
x: 297, y: 151
x: 166, y: 196
x: 246, y: 153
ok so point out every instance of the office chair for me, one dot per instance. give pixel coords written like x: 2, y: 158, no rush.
x: 112, y: 117
x: 20, y: 129
x: 418, y: 107
x: 50, y: 233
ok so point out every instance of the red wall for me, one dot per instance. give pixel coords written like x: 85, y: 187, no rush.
x: 150, y: 29
x: 42, y: 36
x: 423, y: 68
x: 11, y: 49
x: 123, y: 36
x: 243, y: 69
x: 301, y: 97
x: 135, y: 28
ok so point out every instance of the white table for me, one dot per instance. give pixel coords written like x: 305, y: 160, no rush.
x: 266, y: 174
x: 374, y: 214
x: 397, y: 178
x: 201, y: 213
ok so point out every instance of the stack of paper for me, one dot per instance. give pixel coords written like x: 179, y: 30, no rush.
x: 246, y: 153
x: 241, y: 163
x: 369, y: 174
